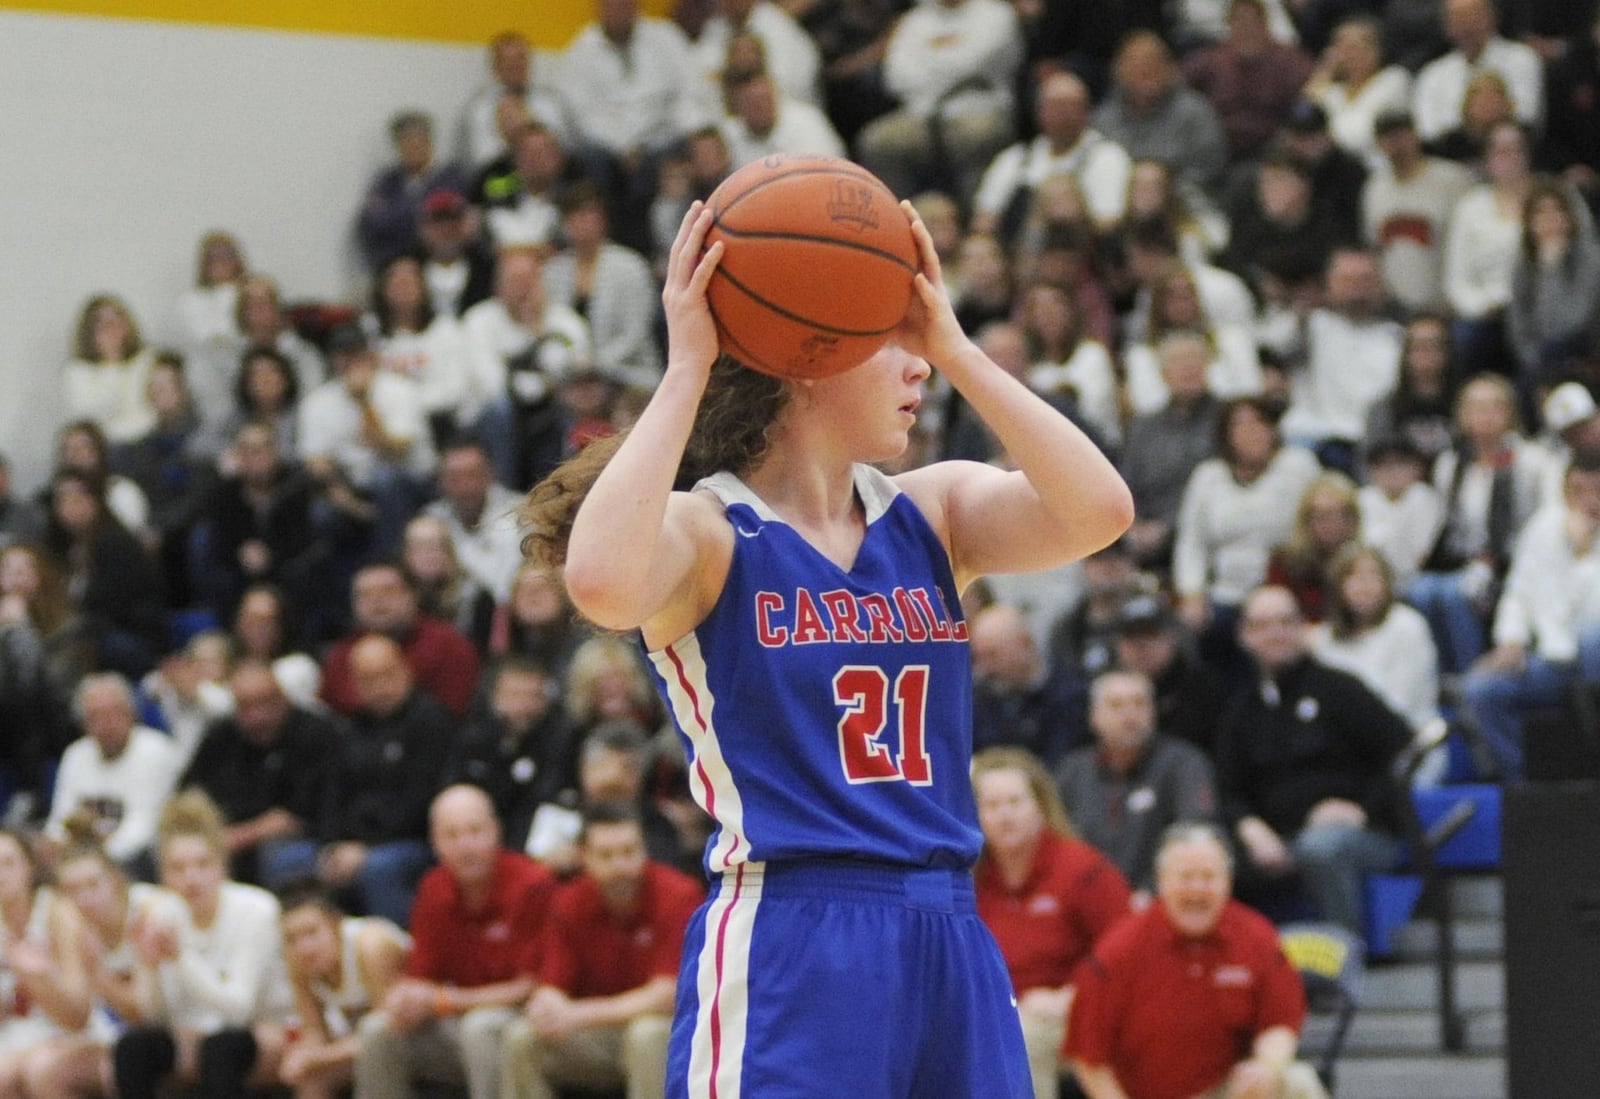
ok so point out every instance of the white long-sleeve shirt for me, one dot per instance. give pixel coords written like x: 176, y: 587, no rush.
x: 1552, y: 592
x: 1404, y: 530
x: 1481, y: 251
x: 1350, y: 364
x: 1100, y: 166
x: 937, y: 48
x: 1442, y: 84
x: 492, y: 337
x: 1396, y: 658
x: 434, y: 359
x: 128, y: 790
x: 230, y: 974
x: 629, y: 97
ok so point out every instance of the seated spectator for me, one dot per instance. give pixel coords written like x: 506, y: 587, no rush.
x: 791, y: 55
x: 1058, y: 246
x: 368, y: 429
x: 160, y: 463
x: 1472, y: 27
x: 388, y: 768
x: 1303, y: 762
x: 982, y: 288
x: 1250, y: 80
x: 387, y: 223
x: 538, y: 621
x: 478, y: 512
x: 1571, y: 424
x: 1065, y: 360
x: 1136, y: 780
x: 20, y: 519
x: 340, y: 967
x: 262, y: 322
x: 1371, y: 634
x: 386, y: 602
x: 1155, y: 198
x: 1232, y: 365
x: 1547, y: 623
x: 1019, y: 699
x: 609, y: 285
x: 119, y: 774
x: 1336, y: 174
x: 262, y: 526
x: 43, y: 654
x: 523, y: 211
x: 210, y: 978
x: 266, y: 390
x: 105, y: 378
x: 1281, y: 238
x: 51, y: 994
x: 1044, y: 894
x: 1354, y: 86
x: 634, y: 76
x: 189, y: 689
x: 521, y: 749
x: 1192, y: 996
x: 1352, y: 360
x: 458, y: 270
x: 520, y: 344
x: 852, y: 40
x: 951, y: 67
x: 1151, y: 249
x: 1236, y: 507
x: 1154, y: 115
x: 1405, y: 212
x: 262, y: 631
x: 1326, y: 519
x: 82, y: 447
x: 1490, y: 482
x: 606, y: 679
x: 477, y: 931
x: 602, y: 1010
x: 1401, y: 513
x: 446, y: 591
x: 512, y: 75
x: 764, y: 121
x: 206, y: 320
x: 110, y: 908
x: 1485, y: 104
x: 119, y: 591
x: 270, y: 768
x: 1189, y: 693
x: 1555, y: 292
x: 1066, y: 145
x: 1421, y: 408
x: 415, y: 342
x: 1081, y: 639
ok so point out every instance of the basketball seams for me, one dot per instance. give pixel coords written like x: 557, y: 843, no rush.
x: 797, y: 318
x: 837, y: 167
x: 832, y: 242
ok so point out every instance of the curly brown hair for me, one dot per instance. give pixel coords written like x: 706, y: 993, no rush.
x: 729, y: 433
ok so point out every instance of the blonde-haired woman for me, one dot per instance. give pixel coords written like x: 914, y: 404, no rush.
x: 210, y: 977
x: 1327, y: 519
x: 1044, y: 894
x: 607, y: 680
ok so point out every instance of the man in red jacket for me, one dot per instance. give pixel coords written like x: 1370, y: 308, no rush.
x: 603, y: 1009
x: 1192, y: 997
x: 477, y: 931
x: 441, y: 659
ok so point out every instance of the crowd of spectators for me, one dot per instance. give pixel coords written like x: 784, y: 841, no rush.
x: 1323, y: 277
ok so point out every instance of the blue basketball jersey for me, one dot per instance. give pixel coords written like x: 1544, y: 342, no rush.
x: 827, y: 714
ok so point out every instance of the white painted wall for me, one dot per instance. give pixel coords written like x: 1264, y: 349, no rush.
x: 121, y: 142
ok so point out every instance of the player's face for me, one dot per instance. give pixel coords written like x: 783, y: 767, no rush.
x: 1008, y: 812
x: 93, y: 889
x: 875, y: 405
x: 16, y: 873
x: 614, y: 856
x: 1193, y: 883
x: 311, y: 940
x: 192, y: 868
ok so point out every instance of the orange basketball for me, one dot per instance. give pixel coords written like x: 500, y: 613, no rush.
x: 817, y: 265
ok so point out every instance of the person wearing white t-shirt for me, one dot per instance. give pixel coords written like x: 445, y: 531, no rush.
x: 1441, y: 86
x: 767, y: 120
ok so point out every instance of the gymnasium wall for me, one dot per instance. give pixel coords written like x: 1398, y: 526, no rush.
x: 130, y: 127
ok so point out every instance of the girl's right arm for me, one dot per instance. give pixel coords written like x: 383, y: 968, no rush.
x: 636, y: 546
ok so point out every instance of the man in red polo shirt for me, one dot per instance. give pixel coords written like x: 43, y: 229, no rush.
x: 1192, y: 997
x: 603, y: 1009
x: 477, y: 932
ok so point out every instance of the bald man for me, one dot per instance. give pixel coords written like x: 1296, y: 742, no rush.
x: 1066, y: 146
x: 1019, y: 698
x: 389, y: 767
x: 476, y: 934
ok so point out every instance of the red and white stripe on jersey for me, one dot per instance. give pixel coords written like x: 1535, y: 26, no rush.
x: 683, y: 669
x: 716, y: 1056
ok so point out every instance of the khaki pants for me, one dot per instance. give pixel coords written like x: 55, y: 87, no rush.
x: 1044, y: 1036
x: 634, y: 1055
x: 1300, y: 1081
x: 461, y: 1050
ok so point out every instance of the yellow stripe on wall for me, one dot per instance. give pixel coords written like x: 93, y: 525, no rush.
x: 547, y: 23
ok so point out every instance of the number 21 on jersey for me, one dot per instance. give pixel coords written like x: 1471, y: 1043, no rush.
x: 870, y: 702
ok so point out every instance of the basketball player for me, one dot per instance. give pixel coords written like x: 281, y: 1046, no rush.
x: 802, y: 612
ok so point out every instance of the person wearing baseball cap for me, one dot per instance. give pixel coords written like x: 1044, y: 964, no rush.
x: 1571, y: 424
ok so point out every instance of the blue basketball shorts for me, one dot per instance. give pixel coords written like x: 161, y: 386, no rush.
x: 823, y: 979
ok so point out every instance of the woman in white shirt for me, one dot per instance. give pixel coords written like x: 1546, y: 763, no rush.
x: 107, y: 376
x: 417, y: 343
x: 108, y: 907
x: 44, y: 991
x: 339, y: 966
x: 1234, y: 366
x: 206, y: 320
x: 1355, y: 87
x: 210, y: 978
x: 1066, y: 361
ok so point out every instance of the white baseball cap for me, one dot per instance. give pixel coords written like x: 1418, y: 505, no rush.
x: 1568, y: 405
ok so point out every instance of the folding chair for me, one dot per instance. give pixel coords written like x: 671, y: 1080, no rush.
x: 1332, y: 964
